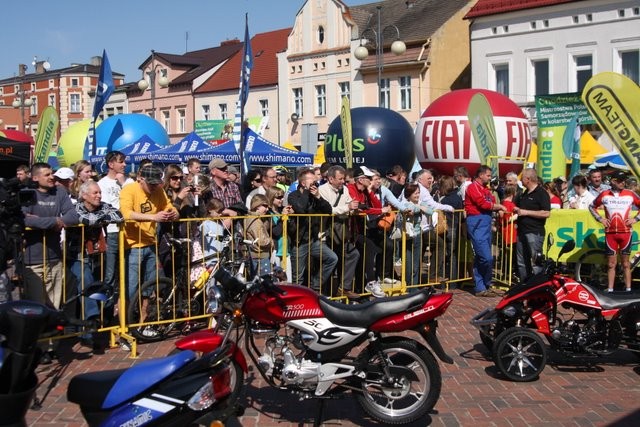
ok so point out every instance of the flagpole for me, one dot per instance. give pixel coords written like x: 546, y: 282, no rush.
x: 243, y: 94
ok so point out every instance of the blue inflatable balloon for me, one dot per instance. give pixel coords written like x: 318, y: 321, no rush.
x: 122, y: 130
x: 381, y: 139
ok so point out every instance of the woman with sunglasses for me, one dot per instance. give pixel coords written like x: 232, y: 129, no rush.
x: 252, y: 181
x: 257, y: 228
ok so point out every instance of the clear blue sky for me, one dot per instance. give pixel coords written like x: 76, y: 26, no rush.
x: 72, y: 31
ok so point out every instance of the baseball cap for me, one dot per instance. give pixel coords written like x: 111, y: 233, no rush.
x: 232, y: 170
x: 64, y: 173
x: 619, y: 176
x: 217, y: 163
x: 152, y: 174
x: 359, y: 171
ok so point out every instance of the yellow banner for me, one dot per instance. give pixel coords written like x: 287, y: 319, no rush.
x: 484, y: 130
x: 47, y: 127
x: 345, y: 121
x: 614, y: 101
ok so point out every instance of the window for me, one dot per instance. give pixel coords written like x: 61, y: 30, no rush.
x: 636, y: 11
x: 344, y: 90
x: 384, y: 100
x: 339, y: 62
x: 589, y: 17
x: 166, y: 120
x: 631, y: 64
x: 1, y: 90
x: 320, y: 34
x: 541, y: 77
x: 621, y: 13
x: 109, y: 112
x: 206, y: 112
x: 502, y: 78
x: 545, y: 23
x: 297, y: 101
x: 119, y: 110
x: 182, y: 120
x: 223, y: 111
x: 74, y: 82
x: 405, y: 93
x: 575, y: 19
x: 505, y: 28
x: 264, y: 107
x: 321, y: 100
x: 52, y: 100
x: 584, y: 70
x: 52, y: 83
x: 1, y: 101
x: 533, y: 25
x: 74, y: 103
x: 494, y: 30
x: 34, y: 106
x: 33, y: 86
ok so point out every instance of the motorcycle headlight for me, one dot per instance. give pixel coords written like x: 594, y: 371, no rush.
x: 214, y: 300
x: 511, y: 311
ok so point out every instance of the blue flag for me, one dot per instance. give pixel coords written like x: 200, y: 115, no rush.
x: 239, y: 139
x: 104, y: 89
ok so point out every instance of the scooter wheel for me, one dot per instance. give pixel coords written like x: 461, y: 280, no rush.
x: 520, y: 354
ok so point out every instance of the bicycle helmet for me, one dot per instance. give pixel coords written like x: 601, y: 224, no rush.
x: 281, y: 170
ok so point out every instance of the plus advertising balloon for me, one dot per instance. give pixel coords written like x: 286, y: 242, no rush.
x: 443, y: 138
x: 122, y: 130
x: 381, y: 139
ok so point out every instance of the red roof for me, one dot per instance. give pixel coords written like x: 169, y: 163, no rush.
x: 264, y: 47
x: 494, y: 7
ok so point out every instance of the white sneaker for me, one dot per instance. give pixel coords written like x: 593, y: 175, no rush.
x: 375, y: 289
x: 390, y: 281
x: 149, y: 332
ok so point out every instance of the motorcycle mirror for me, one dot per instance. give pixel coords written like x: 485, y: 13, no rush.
x: 568, y: 246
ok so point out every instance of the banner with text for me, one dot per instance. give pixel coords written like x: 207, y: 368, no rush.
x: 554, y: 113
x: 614, y: 100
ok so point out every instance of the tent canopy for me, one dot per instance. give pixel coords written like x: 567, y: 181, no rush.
x: 261, y: 152
x: 141, y: 147
x: 188, y: 147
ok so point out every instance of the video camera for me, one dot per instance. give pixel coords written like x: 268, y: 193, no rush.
x: 14, y: 195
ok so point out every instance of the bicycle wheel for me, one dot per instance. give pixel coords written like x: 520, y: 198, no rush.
x: 156, y: 301
x: 592, y: 269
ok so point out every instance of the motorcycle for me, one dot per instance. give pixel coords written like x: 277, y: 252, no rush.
x: 307, y: 343
x: 175, y: 390
x: 578, y: 320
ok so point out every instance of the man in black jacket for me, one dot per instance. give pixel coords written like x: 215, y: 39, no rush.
x: 305, y: 234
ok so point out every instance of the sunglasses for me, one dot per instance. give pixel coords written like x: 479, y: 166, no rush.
x: 279, y: 197
x: 177, y: 178
x: 224, y: 169
x: 258, y: 180
x: 265, y: 205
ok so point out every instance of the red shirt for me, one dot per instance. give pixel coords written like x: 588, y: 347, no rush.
x: 478, y: 199
x: 617, y: 207
x: 366, y: 198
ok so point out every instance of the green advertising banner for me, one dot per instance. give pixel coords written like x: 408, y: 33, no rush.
x: 554, y: 112
x: 484, y: 130
x: 211, y: 130
x: 47, y: 127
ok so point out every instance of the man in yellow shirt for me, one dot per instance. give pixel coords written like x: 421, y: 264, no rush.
x: 143, y: 204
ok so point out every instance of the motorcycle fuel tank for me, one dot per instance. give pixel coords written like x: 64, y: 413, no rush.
x: 296, y: 302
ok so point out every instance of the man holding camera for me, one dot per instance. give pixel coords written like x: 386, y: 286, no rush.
x: 306, y: 235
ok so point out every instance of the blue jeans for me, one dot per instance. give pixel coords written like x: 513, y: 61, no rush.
x: 111, y: 261
x: 413, y: 260
x: 83, y: 270
x: 318, y: 251
x: 142, y: 266
x: 527, y: 246
x: 479, y: 232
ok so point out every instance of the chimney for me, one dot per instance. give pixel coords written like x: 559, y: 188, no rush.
x: 22, y: 70
x: 40, y: 69
x: 96, y: 60
x: 229, y: 42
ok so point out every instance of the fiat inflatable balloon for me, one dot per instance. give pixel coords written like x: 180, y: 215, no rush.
x: 381, y: 139
x: 443, y: 138
x: 134, y: 126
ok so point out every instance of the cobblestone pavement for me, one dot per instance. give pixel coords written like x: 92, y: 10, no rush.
x: 606, y: 393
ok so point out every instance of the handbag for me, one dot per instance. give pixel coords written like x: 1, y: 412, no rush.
x: 386, y: 221
x: 96, y: 245
x: 440, y: 223
x: 408, y: 230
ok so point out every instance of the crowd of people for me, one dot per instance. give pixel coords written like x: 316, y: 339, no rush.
x: 342, y: 225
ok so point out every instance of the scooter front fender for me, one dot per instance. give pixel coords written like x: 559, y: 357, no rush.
x: 208, y: 340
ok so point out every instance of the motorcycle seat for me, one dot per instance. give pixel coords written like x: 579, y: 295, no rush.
x: 364, y: 315
x: 107, y: 389
x: 613, y: 300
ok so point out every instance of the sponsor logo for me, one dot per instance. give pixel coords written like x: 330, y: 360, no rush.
x: 139, y: 419
x: 419, y: 312
x: 583, y: 296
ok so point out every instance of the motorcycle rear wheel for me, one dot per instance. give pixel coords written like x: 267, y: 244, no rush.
x: 520, y: 354
x: 405, y: 400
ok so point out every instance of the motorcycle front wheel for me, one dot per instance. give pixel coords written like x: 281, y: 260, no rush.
x: 520, y: 354
x: 402, y: 396
x: 156, y: 300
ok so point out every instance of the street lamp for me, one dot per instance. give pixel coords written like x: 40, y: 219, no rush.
x: 163, y: 81
x: 20, y: 102
x: 397, y: 47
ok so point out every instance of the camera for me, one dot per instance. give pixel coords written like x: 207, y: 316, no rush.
x: 14, y: 195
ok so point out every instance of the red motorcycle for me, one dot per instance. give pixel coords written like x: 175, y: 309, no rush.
x: 578, y: 320
x: 311, y: 346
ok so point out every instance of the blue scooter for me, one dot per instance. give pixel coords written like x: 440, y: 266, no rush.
x: 171, y: 391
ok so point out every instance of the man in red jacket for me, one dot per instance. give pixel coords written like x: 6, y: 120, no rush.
x: 479, y: 203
